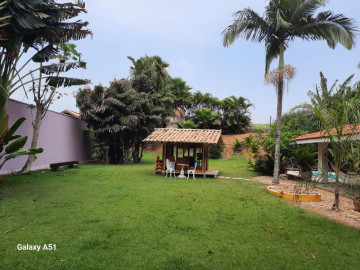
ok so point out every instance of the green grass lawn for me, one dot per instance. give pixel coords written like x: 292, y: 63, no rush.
x: 123, y: 217
x: 235, y: 166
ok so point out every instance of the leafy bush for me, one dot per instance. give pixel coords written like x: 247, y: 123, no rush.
x: 248, y: 140
x: 189, y: 124
x: 100, y: 152
x: 265, y: 165
x: 238, y: 146
x: 11, y: 146
x: 255, y: 147
x: 216, y: 151
x: 305, y: 158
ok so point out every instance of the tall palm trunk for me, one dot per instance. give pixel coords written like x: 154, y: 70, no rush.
x: 280, y: 92
x: 36, y: 131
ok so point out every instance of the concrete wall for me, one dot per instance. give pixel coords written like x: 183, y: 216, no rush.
x: 62, y: 137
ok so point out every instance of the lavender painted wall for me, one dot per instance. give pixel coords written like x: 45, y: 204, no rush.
x: 62, y: 137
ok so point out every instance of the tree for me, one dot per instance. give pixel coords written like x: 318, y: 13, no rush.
x: 303, y: 119
x: 341, y: 122
x: 44, y: 94
x: 181, y: 94
x: 28, y: 24
x: 188, y: 124
x: 120, y: 118
x: 285, y: 20
x: 206, y: 118
x: 235, y: 115
x: 325, y: 96
x: 268, y: 142
x: 288, y: 147
x: 149, y: 75
x: 204, y: 101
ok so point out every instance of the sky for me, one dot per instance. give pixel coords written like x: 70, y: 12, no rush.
x: 187, y: 35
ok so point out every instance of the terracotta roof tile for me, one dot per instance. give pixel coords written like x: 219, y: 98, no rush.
x: 71, y: 113
x: 323, y: 134
x: 209, y: 136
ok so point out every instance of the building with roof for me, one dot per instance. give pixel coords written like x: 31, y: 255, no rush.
x: 322, y: 139
x: 185, y: 148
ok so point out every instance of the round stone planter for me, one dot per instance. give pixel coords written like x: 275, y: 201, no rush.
x: 310, y: 197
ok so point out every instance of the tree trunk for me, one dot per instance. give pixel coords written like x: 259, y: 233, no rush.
x: 336, y: 205
x: 280, y: 91
x: 278, y: 136
x: 3, y: 106
x: 141, y: 152
x: 336, y: 199
x: 34, y: 140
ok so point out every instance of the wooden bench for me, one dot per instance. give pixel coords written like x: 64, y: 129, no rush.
x: 70, y: 164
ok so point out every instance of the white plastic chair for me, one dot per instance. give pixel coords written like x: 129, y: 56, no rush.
x: 192, y: 171
x: 169, y: 169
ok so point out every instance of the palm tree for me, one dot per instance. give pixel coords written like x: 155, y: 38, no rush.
x: 285, y: 20
x: 341, y: 118
x: 326, y: 96
x: 206, y: 118
x: 181, y: 92
x: 235, y: 114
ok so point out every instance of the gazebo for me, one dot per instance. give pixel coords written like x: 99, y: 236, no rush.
x: 185, y: 148
x: 322, y: 139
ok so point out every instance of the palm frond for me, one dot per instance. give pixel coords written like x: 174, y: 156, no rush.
x: 65, y: 81
x: 334, y: 28
x: 247, y: 24
x: 272, y: 52
x: 45, y: 54
x: 57, y: 68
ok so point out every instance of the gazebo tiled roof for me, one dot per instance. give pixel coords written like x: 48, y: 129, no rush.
x: 207, y: 136
x: 323, y: 134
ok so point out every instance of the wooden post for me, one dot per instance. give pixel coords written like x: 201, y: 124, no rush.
x: 203, y: 161
x: 176, y: 152
x: 207, y: 157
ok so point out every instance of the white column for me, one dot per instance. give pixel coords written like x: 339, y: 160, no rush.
x: 323, y: 167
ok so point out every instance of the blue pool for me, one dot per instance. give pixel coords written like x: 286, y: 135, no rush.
x: 330, y: 175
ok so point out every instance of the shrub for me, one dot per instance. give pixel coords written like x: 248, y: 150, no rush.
x: 265, y: 165
x: 100, y: 152
x: 255, y: 147
x: 238, y: 146
x: 305, y: 158
x: 216, y: 151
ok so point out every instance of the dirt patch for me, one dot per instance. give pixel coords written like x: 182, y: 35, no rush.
x: 229, y: 141
x: 346, y: 215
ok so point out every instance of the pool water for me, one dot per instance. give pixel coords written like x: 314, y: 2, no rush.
x: 330, y: 175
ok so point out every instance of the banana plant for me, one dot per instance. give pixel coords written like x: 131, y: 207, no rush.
x: 11, y: 146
